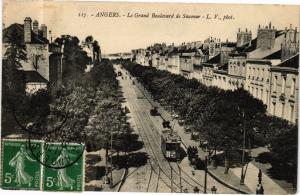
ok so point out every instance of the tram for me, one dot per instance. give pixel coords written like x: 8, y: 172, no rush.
x: 170, y: 144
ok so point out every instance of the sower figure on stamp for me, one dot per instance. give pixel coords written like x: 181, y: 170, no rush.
x: 63, y: 180
x: 18, y: 161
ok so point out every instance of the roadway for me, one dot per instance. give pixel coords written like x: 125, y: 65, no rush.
x: 165, y: 176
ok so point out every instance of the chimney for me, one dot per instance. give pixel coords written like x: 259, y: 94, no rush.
x: 27, y: 30
x: 246, y: 30
x: 239, y: 29
x: 35, y: 27
x: 259, y: 26
x: 50, y: 35
x: 270, y: 25
x: 44, y: 30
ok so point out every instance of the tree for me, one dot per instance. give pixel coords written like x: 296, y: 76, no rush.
x: 13, y: 82
x: 75, y: 58
x: 15, y: 54
x: 96, y: 51
x: 89, y: 39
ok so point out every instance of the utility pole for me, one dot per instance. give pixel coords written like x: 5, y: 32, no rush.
x: 243, y: 155
x: 205, y: 175
x: 180, y: 183
x: 111, y: 162
x: 171, y: 179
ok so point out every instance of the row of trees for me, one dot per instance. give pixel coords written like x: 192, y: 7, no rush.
x: 220, y: 116
x: 86, y: 108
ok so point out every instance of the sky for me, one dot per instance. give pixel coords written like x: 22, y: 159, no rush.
x: 121, y: 34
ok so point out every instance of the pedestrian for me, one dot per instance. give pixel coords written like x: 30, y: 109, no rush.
x: 196, y: 189
x: 259, y: 189
x: 213, y: 190
x: 259, y: 176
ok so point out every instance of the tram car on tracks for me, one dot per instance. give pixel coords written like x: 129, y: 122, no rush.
x: 170, y: 144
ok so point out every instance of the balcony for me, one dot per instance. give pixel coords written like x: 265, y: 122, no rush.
x: 282, y: 97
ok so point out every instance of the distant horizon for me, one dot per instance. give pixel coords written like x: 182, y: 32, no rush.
x: 123, y: 33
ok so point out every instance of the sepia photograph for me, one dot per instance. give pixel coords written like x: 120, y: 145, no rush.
x: 149, y: 97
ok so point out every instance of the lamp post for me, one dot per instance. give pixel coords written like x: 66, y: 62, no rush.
x: 205, y: 176
x: 111, y: 163
x: 243, y: 155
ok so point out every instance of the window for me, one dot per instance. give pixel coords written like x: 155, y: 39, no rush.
x: 267, y: 96
x: 292, y: 113
x: 282, y: 110
x: 275, y: 84
x: 283, y: 84
x: 261, y: 94
x: 273, y: 108
x: 293, y: 86
x: 256, y: 93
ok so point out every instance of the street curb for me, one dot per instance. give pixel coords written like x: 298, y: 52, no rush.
x: 122, y: 180
x: 227, y: 184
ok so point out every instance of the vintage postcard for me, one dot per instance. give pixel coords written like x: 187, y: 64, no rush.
x: 149, y: 97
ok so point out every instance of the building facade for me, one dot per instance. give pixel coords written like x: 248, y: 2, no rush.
x: 285, y: 89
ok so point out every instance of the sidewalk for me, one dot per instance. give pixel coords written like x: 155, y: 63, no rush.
x: 232, y: 179
x: 94, y: 175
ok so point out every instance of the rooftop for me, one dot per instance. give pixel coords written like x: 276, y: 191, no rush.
x: 293, y: 62
x: 19, y: 30
x: 214, y: 60
x: 274, y: 55
x: 32, y: 76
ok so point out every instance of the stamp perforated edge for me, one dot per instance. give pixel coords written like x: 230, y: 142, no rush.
x: 82, y: 169
x: 2, y: 140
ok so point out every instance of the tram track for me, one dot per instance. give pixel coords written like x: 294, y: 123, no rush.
x: 164, y: 176
x: 166, y: 166
x: 162, y: 167
x: 187, y: 179
x: 154, y: 162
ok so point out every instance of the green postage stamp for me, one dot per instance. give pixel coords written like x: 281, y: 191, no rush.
x: 65, y: 172
x: 20, y: 169
x: 39, y: 165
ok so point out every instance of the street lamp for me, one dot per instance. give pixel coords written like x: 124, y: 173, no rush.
x: 243, y: 155
x: 205, y: 176
x: 111, y: 163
